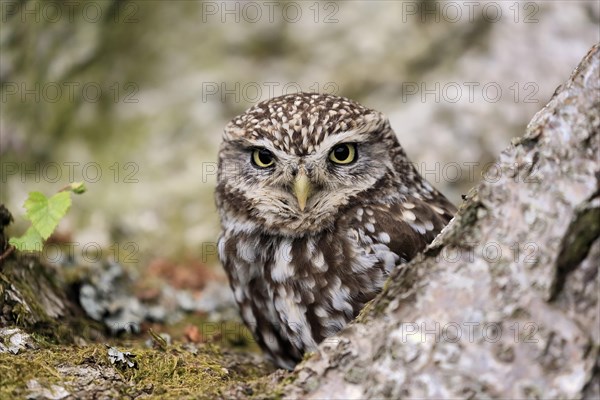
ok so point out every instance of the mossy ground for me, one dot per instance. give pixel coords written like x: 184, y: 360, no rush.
x: 180, y: 370
x: 70, y: 350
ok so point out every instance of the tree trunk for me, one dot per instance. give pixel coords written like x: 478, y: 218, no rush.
x: 31, y: 294
x: 504, y: 303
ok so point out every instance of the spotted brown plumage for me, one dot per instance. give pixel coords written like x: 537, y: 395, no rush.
x: 318, y: 203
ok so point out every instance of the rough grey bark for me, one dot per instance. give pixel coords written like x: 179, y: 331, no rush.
x: 504, y: 303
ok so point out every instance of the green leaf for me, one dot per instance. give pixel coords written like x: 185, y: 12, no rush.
x: 45, y: 213
x: 30, y: 241
x: 77, y: 187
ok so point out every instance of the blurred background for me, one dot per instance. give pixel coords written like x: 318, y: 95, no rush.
x: 131, y: 97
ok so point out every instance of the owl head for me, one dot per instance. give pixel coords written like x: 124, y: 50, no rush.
x: 291, y: 164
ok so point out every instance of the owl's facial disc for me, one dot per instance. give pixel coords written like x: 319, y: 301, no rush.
x: 292, y: 164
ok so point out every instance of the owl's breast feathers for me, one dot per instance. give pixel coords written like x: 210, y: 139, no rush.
x: 295, y: 292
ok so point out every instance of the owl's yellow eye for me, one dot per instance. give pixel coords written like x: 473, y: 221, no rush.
x: 262, y: 158
x: 343, y: 153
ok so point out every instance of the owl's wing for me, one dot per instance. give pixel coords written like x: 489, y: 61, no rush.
x: 402, y: 228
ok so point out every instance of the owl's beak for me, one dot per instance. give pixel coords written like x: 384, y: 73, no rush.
x: 302, y: 189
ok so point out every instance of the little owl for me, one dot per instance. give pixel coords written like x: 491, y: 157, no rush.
x: 318, y: 203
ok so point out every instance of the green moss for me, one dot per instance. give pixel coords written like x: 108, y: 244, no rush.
x: 17, y: 370
x: 270, y: 387
x: 177, y: 373
x: 170, y: 374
